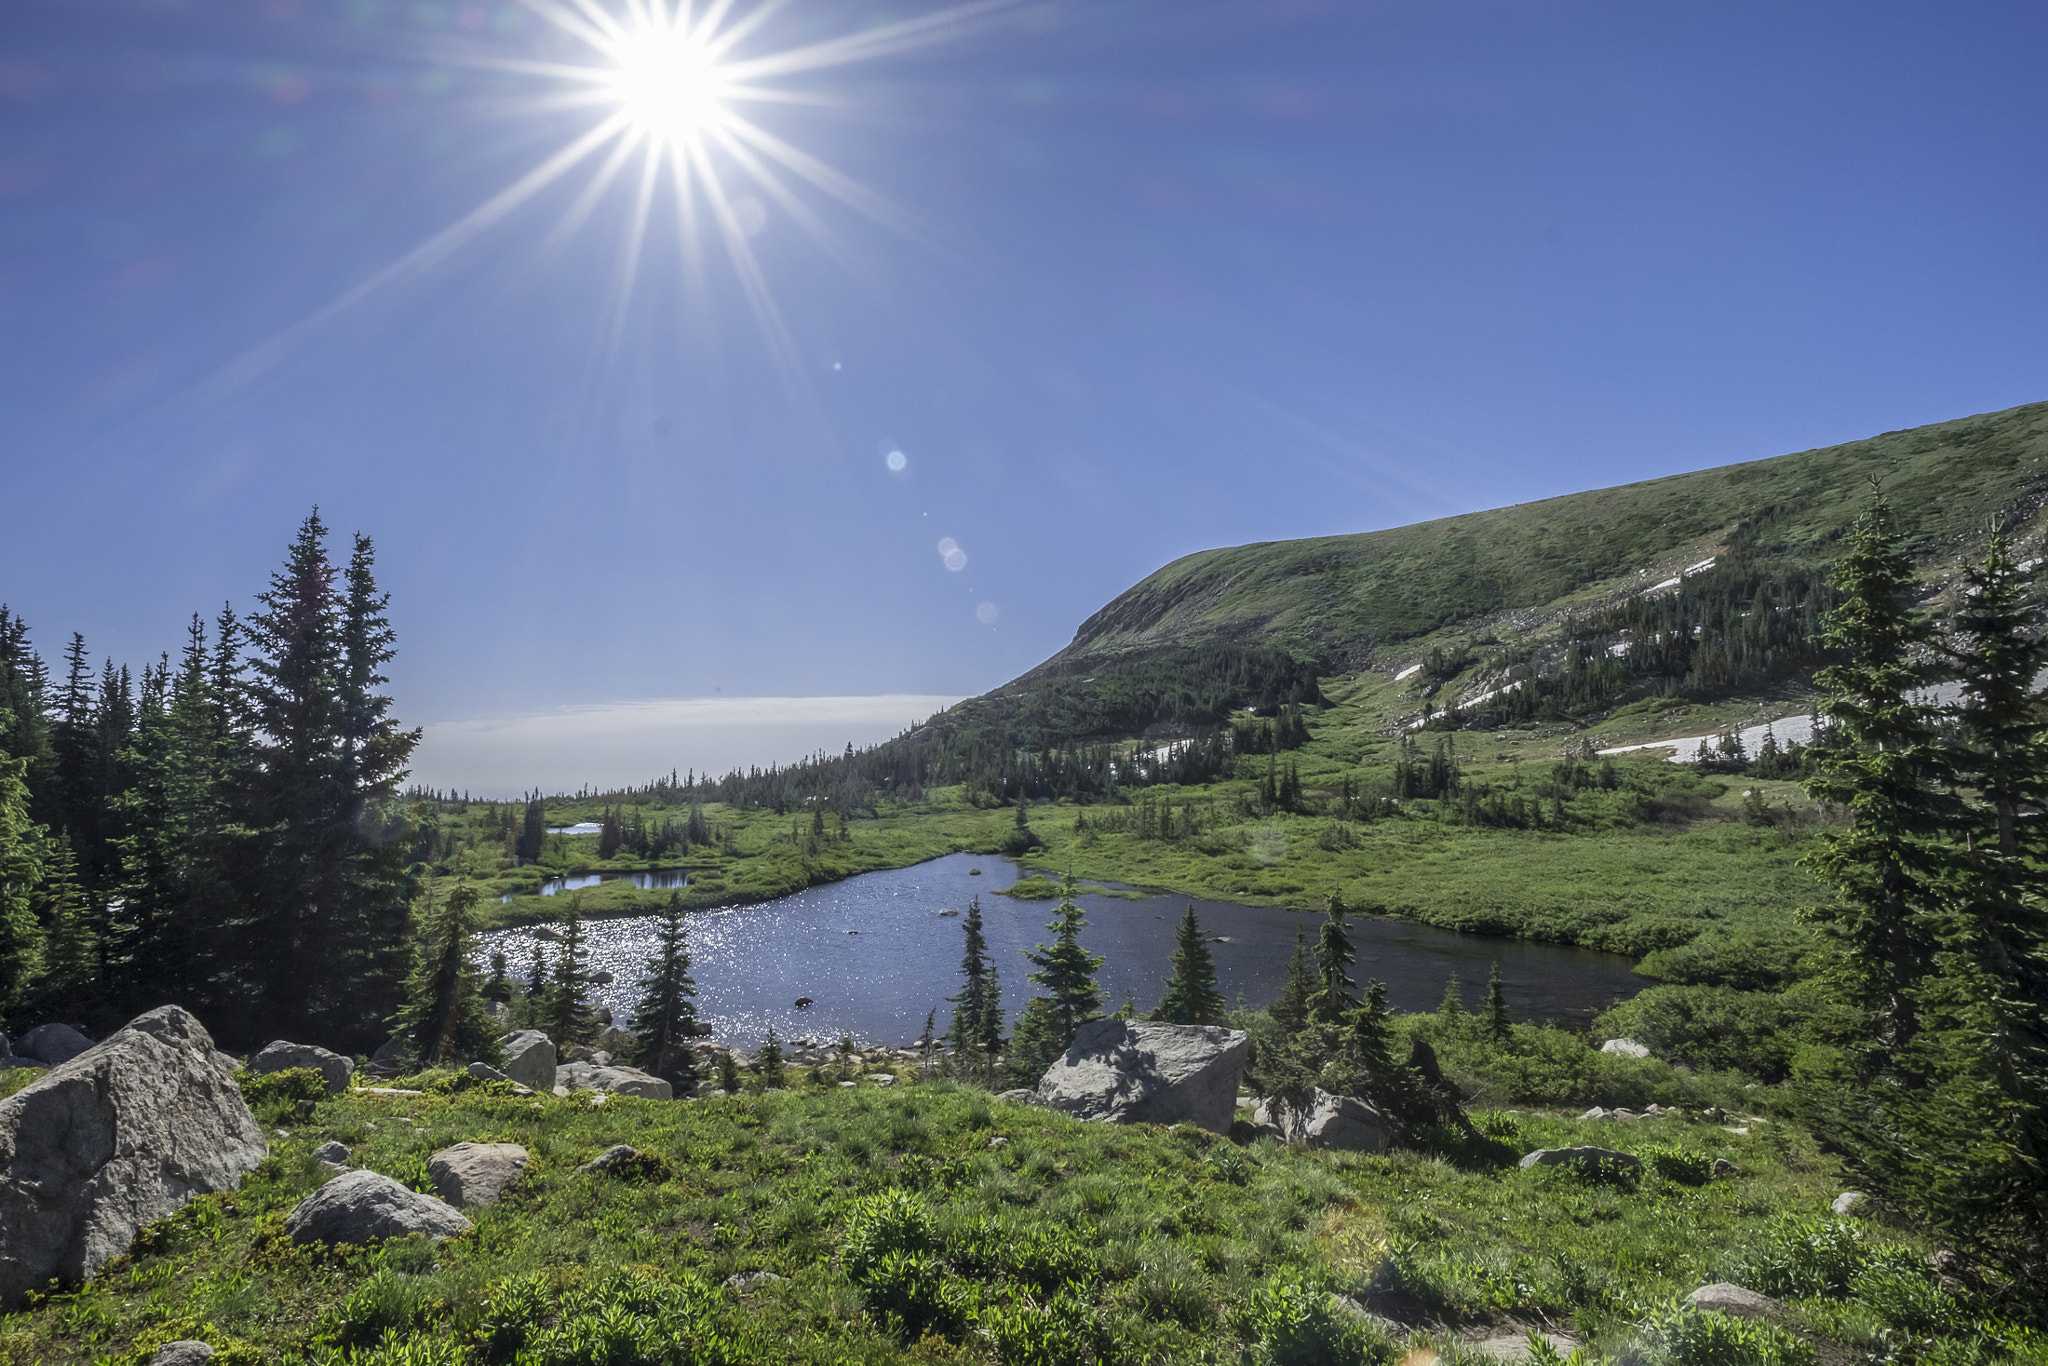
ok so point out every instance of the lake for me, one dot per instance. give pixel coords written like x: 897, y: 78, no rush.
x: 875, y: 954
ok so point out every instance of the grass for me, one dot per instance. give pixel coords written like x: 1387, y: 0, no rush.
x: 930, y: 1222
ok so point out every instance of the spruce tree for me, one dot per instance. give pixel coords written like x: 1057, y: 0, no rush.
x: 1334, y: 953
x: 1498, y: 1026
x: 1035, y: 1044
x: 21, y: 870
x: 535, y: 987
x: 1451, y: 1010
x: 728, y: 1073
x: 972, y: 1007
x: 1881, y: 761
x: 1290, y: 1010
x: 1190, y: 995
x: 497, y: 987
x: 1067, y: 971
x: 665, y: 1020
x: 771, y: 1060
x: 566, y: 1012
x: 443, y: 1019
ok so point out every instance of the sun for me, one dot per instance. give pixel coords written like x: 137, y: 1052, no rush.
x: 668, y: 84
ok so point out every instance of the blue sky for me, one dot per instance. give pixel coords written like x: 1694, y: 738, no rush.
x: 1153, y: 276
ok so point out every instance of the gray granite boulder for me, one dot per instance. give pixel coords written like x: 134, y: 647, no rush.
x: 618, y: 1081
x: 183, y: 1352
x: 359, y: 1206
x: 1120, y: 1072
x: 1848, y: 1202
x: 530, y: 1059
x: 1327, y: 1121
x: 112, y: 1140
x: 1578, y: 1157
x: 1725, y: 1297
x: 483, y: 1071
x: 1625, y: 1048
x: 476, y: 1173
x: 331, y: 1151
x: 610, y: 1157
x: 280, y: 1054
x: 51, y: 1044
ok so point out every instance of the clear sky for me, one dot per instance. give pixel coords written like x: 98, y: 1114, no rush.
x: 1112, y: 280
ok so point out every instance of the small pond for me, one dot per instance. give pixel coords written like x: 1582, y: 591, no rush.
x: 875, y: 953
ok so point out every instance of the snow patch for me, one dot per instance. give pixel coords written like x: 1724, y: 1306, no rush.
x: 1408, y: 672
x: 1707, y: 563
x: 1668, y: 583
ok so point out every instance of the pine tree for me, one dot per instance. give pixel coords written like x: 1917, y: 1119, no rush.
x: 21, y: 871
x: 443, y: 1019
x: 1190, y: 995
x: 1334, y: 997
x: 497, y: 987
x: 928, y: 1042
x: 665, y: 1021
x: 1451, y: 1010
x: 566, y: 1007
x: 771, y: 1060
x: 1881, y: 762
x: 973, y: 1011
x: 1290, y: 1010
x: 1498, y: 1026
x: 1067, y: 971
x: 1034, y: 1045
x: 728, y: 1073
x: 536, y: 986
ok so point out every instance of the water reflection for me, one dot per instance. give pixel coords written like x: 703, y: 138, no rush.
x: 876, y: 952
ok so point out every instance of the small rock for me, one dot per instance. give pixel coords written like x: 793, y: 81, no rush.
x: 1021, y: 1096
x: 483, y: 1071
x: 999, y: 1142
x: 848, y: 1085
x: 282, y: 1133
x: 602, y: 978
x: 280, y: 1054
x: 333, y: 1168
x: 52, y: 1045
x: 1595, y: 1113
x: 610, y: 1157
x: 1346, y: 1307
x: 476, y: 1173
x: 747, y: 1280
x: 1571, y: 1157
x: 1626, y: 1048
x: 358, y: 1206
x: 883, y: 1079
x: 389, y: 1091
x: 1725, y: 1297
x: 183, y: 1352
x: 1515, y: 1346
x: 1723, y: 1167
x: 604, y: 1016
x: 332, y: 1151
x: 1848, y: 1202
x: 547, y: 933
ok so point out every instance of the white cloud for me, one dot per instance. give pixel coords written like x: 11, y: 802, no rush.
x: 615, y: 744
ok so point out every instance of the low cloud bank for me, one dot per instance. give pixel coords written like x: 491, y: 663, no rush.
x: 616, y: 744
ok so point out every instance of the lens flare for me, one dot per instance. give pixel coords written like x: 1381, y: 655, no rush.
x: 667, y: 82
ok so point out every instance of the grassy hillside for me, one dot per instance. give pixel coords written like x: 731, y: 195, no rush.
x: 931, y: 1223
x: 1345, y: 599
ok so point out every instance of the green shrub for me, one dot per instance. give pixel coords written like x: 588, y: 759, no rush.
x: 1714, y: 1027
x: 514, y: 1311
x: 1293, y: 1324
x: 1679, y: 1165
x: 1805, y: 1258
x: 1688, y: 1335
x: 281, y: 1087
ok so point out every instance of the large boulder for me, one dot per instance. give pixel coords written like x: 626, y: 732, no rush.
x: 359, y: 1206
x: 1119, y: 1072
x: 476, y: 1173
x: 620, y: 1081
x: 1725, y: 1297
x: 1587, y: 1156
x: 112, y: 1140
x: 1625, y: 1048
x: 530, y: 1059
x: 51, y: 1044
x: 1327, y: 1121
x: 280, y: 1054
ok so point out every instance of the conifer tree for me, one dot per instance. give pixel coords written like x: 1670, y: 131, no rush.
x: 928, y: 1042
x: 771, y: 1060
x: 1334, y: 953
x: 1034, y: 1045
x: 21, y: 870
x: 443, y: 1019
x: 973, y: 1011
x: 1067, y: 971
x: 536, y: 987
x: 566, y: 1009
x: 1882, y: 763
x: 497, y: 987
x: 1498, y: 1025
x: 1190, y: 995
x: 1451, y: 1010
x: 1290, y: 1010
x: 665, y: 1021
x: 728, y: 1073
